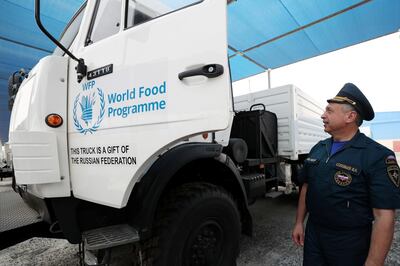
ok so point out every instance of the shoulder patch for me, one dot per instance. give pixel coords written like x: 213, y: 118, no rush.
x: 391, y: 159
x: 394, y: 174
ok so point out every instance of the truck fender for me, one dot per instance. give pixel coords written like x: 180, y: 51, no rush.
x: 146, y: 194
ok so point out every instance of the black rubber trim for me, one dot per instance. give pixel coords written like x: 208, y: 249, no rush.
x: 92, y: 20
x: 43, y: 29
x: 66, y: 210
x: 83, y: 6
x: 166, y: 14
x: 247, y: 220
x: 126, y: 14
x: 147, y: 192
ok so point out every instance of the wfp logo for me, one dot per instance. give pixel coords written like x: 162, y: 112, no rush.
x: 88, y: 111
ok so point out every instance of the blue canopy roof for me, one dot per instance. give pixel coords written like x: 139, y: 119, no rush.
x: 262, y: 34
x: 274, y: 33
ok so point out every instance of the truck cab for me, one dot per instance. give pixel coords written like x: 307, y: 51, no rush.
x: 127, y: 134
x: 120, y: 132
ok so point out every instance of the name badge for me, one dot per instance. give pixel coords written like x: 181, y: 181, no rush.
x: 352, y: 169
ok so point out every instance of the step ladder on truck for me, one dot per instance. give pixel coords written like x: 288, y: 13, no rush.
x: 128, y: 134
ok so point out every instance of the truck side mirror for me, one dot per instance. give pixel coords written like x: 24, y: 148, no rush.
x: 81, y: 69
x: 14, y: 82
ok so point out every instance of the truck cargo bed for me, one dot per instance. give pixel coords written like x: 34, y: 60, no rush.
x: 299, y: 123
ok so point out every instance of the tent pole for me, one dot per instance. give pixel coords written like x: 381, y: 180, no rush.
x: 269, y: 78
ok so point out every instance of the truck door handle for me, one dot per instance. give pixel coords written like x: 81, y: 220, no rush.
x: 210, y: 71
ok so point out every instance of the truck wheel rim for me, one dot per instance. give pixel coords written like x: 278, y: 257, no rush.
x: 204, y: 244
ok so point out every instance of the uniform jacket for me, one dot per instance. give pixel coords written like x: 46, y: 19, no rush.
x: 344, y: 187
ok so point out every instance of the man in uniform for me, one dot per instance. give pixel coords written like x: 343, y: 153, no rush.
x: 351, y: 190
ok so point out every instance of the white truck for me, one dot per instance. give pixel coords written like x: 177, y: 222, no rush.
x: 299, y: 126
x: 2, y: 155
x: 5, y: 161
x: 127, y: 134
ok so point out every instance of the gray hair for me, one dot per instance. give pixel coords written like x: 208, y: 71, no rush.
x: 348, y: 107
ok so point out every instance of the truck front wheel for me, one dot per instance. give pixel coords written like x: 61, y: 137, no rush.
x: 197, y: 224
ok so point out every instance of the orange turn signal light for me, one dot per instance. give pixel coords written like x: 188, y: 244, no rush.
x: 54, y: 120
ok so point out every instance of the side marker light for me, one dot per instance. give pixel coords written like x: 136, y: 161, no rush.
x: 54, y: 120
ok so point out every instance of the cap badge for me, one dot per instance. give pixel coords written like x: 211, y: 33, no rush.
x: 344, y: 99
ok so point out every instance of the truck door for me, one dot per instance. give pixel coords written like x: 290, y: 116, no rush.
x: 157, y: 74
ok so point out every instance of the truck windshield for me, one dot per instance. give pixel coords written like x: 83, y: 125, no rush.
x: 71, y: 30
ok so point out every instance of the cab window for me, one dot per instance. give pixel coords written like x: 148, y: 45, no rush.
x: 105, y: 20
x: 71, y: 30
x: 139, y: 11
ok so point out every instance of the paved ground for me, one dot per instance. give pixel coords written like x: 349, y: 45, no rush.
x: 270, y: 245
x: 271, y: 242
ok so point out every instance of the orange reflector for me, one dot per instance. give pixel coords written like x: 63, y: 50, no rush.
x: 54, y: 120
x: 205, y: 135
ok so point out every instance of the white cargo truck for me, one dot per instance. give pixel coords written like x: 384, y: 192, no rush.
x: 299, y: 122
x: 2, y: 155
x: 5, y: 161
x: 127, y: 134
x: 299, y: 125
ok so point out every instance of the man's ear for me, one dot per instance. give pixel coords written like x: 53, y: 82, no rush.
x: 351, y: 116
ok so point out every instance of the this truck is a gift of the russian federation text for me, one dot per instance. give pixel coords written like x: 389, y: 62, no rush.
x: 127, y: 134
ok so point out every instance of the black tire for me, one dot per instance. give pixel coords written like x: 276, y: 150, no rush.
x: 197, y: 224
